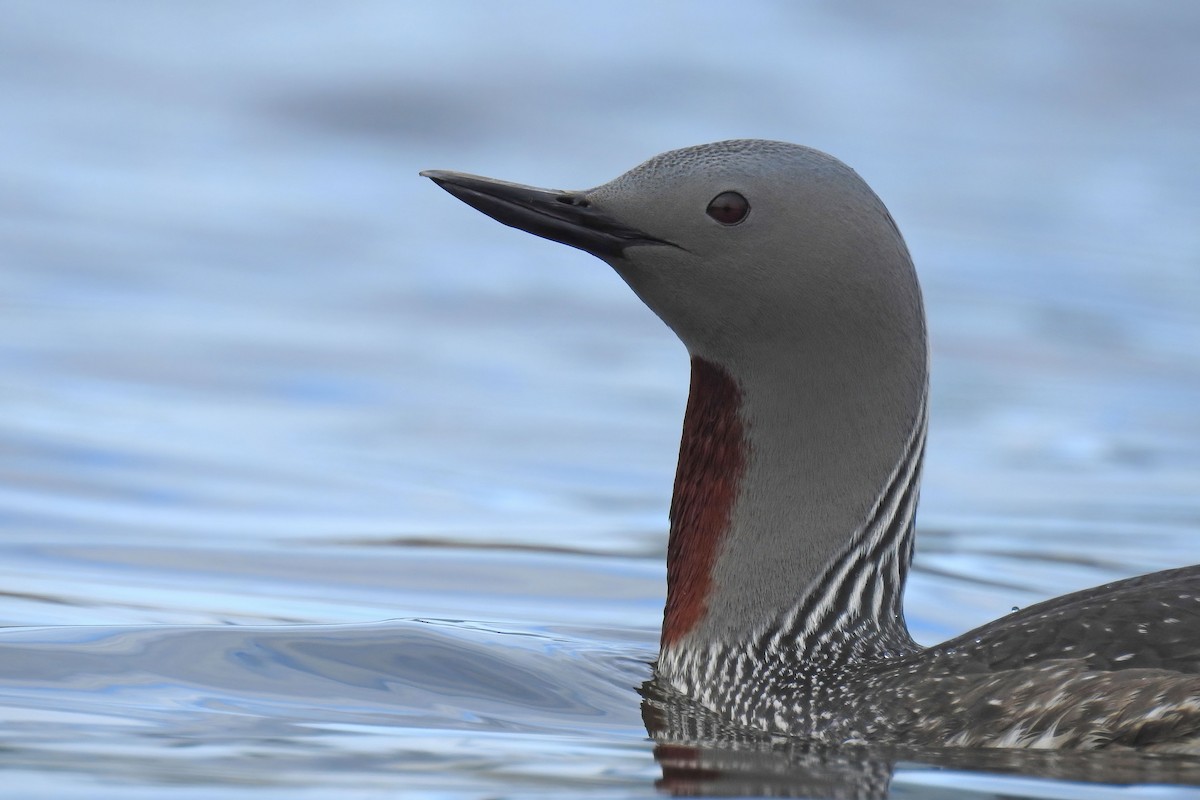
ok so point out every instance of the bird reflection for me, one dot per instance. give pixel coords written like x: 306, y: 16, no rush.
x: 701, y: 754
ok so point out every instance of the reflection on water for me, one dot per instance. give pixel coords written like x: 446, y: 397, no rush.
x: 301, y: 681
x: 701, y: 754
x: 193, y: 703
x: 262, y: 388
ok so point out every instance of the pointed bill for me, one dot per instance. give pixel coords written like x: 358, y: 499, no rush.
x: 559, y: 216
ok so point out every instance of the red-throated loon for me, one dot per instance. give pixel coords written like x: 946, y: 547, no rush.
x: 799, y: 468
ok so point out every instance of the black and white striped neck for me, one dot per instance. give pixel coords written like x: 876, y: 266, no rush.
x: 784, y: 675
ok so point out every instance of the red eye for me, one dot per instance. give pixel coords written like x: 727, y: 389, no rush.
x: 728, y: 208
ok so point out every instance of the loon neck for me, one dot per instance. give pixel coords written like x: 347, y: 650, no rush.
x: 794, y: 498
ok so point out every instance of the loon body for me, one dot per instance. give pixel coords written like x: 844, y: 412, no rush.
x: 799, y: 471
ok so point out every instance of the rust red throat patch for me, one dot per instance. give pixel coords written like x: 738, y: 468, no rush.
x: 712, y: 458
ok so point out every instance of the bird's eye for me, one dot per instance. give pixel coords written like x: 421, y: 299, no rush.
x: 728, y: 208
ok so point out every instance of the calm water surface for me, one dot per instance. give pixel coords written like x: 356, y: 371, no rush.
x: 313, y: 481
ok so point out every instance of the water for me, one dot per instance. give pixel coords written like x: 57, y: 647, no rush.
x: 314, y: 481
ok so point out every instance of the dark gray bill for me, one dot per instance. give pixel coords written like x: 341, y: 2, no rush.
x: 564, y: 217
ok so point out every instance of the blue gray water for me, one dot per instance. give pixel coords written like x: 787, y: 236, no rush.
x: 315, y: 481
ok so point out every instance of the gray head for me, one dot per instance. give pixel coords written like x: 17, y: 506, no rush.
x: 815, y: 247
x: 790, y: 285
